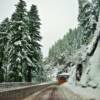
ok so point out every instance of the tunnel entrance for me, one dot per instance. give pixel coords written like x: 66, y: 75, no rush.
x: 79, y: 72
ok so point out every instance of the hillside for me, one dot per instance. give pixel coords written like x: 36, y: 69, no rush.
x: 78, y: 52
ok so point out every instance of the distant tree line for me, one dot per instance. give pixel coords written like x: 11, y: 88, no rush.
x: 73, y: 40
x: 20, y: 49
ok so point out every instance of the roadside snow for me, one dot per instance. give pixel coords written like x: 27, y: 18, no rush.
x: 72, y: 74
x: 84, y: 92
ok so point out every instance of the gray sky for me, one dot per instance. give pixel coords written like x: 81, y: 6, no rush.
x: 57, y: 16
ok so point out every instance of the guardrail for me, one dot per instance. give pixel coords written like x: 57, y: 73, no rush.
x: 14, y: 84
x: 20, y: 93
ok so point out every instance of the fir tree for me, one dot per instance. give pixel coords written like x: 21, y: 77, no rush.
x: 84, y: 18
x: 35, y: 55
x: 17, y: 51
x: 4, y: 30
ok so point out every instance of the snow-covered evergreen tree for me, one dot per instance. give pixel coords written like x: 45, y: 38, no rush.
x: 24, y: 52
x: 17, y: 52
x: 35, y: 55
x: 4, y: 32
x: 85, y: 17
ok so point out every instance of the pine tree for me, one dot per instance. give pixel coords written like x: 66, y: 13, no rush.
x: 4, y: 30
x: 85, y: 15
x: 17, y: 52
x: 35, y: 55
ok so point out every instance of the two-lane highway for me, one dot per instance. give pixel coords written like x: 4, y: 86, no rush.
x: 55, y: 93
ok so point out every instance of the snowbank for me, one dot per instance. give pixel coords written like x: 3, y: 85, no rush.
x: 84, y: 92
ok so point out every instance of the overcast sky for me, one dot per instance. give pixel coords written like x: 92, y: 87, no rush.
x: 57, y: 16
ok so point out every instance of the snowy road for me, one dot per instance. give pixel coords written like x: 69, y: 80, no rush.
x: 52, y: 92
x: 55, y: 93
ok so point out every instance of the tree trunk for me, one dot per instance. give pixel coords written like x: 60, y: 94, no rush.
x: 29, y: 75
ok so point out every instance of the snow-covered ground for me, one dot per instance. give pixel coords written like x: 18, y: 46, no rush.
x: 84, y: 92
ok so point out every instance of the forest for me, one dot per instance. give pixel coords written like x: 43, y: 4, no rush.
x: 20, y: 48
x: 79, y: 37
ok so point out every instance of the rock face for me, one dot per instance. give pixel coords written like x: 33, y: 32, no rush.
x: 95, y: 65
x: 91, y: 75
